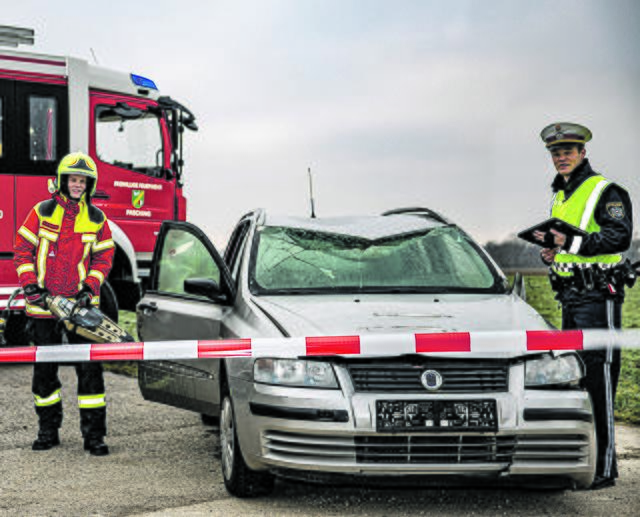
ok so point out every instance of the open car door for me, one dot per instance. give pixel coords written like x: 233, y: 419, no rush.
x: 190, y: 293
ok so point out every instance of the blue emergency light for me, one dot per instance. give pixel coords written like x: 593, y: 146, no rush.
x: 143, y: 82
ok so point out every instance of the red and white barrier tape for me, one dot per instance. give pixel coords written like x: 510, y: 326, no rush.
x: 480, y: 344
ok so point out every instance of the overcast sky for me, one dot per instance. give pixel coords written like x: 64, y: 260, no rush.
x: 391, y: 103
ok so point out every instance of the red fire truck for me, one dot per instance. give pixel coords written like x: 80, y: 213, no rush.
x: 51, y: 105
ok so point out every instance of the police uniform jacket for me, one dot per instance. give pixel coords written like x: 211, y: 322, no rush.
x: 613, y: 213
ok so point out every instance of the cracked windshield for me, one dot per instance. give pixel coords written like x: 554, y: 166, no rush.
x: 435, y: 261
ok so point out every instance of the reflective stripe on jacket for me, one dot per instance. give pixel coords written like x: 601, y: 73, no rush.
x: 579, y: 211
x: 62, y: 245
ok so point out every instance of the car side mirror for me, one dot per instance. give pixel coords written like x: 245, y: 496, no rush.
x: 204, y: 287
x: 518, y: 286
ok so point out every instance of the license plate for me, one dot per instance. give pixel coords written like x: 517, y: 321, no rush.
x: 436, y: 415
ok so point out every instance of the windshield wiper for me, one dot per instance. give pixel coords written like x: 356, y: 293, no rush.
x: 268, y: 292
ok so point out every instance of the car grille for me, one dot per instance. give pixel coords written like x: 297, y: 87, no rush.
x: 552, y: 448
x: 435, y: 449
x: 458, y: 376
x: 309, y: 447
x: 432, y: 449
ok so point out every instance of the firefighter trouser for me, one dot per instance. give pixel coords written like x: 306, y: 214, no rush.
x: 46, y: 385
x: 603, y: 370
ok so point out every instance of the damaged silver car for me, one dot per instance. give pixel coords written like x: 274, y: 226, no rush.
x: 521, y: 418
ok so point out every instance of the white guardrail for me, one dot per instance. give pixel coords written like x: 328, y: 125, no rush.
x: 479, y: 344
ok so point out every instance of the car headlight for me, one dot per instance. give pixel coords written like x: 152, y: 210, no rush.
x: 292, y: 372
x: 548, y: 371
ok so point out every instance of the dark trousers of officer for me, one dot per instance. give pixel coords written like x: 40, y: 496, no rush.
x: 46, y: 382
x: 603, y: 371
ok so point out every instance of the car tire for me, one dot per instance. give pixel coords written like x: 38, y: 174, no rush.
x: 109, y: 302
x: 239, y: 480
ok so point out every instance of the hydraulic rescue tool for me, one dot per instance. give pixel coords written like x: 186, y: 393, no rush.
x: 87, y: 322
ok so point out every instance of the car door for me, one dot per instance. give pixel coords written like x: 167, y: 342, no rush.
x: 170, y: 310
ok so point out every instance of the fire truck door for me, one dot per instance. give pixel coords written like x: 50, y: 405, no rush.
x: 42, y: 139
x: 131, y: 145
x: 7, y: 179
x: 34, y: 135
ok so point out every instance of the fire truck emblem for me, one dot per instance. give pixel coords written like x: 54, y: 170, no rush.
x: 137, y: 198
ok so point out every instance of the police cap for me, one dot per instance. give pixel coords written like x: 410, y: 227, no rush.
x: 561, y: 133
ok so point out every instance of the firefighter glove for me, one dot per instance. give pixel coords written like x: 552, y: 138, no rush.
x: 36, y: 295
x: 84, y: 296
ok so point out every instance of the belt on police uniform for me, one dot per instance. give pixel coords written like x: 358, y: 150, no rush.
x: 588, y: 276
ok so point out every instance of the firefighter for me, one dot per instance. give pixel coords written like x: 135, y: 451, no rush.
x: 586, y: 271
x: 65, y: 248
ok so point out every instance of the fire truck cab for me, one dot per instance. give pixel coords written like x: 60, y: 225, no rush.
x: 52, y: 105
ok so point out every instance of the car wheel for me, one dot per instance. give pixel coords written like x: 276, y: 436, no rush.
x: 239, y: 479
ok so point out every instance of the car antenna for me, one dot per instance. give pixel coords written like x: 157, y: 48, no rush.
x: 313, y: 212
x: 95, y: 58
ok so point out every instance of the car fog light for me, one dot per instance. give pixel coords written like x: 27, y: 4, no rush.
x: 549, y: 371
x: 291, y: 372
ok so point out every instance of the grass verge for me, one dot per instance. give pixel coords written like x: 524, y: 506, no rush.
x: 540, y: 296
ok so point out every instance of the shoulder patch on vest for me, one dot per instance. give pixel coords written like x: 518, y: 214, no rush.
x: 615, y: 210
x: 47, y: 207
x: 95, y: 214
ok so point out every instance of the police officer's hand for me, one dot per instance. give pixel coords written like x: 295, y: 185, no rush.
x: 84, y: 296
x: 548, y: 255
x: 540, y: 236
x: 36, y: 295
x: 559, y: 239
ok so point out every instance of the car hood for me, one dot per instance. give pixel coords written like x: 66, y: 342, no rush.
x: 315, y: 315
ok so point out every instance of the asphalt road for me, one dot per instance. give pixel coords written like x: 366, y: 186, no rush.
x: 165, y: 462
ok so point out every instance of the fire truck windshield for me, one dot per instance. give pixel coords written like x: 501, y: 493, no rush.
x: 130, y: 140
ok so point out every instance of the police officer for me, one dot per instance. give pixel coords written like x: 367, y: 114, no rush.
x: 584, y: 269
x: 65, y: 248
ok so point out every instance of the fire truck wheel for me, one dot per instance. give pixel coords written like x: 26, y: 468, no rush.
x: 16, y: 333
x: 127, y: 293
x: 109, y: 302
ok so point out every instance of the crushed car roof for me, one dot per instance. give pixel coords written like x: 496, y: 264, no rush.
x: 365, y: 227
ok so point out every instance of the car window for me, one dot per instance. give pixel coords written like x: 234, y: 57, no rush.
x: 443, y: 259
x: 184, y: 256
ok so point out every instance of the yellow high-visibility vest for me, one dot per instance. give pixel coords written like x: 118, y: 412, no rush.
x: 579, y: 210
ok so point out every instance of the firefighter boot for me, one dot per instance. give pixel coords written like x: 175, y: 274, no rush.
x: 93, y: 426
x: 47, y: 439
x: 96, y: 446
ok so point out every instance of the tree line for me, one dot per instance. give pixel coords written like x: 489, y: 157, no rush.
x: 515, y: 253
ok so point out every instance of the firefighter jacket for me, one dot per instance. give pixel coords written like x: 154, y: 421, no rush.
x: 61, y: 246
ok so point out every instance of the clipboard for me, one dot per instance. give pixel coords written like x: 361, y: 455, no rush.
x: 545, y: 226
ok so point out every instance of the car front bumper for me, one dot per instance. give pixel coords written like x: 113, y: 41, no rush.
x: 540, y: 433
